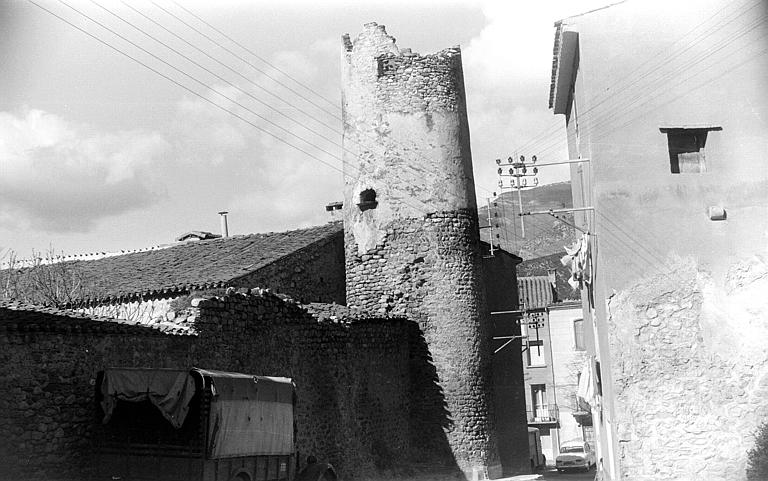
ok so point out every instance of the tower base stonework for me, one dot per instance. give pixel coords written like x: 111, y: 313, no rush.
x: 412, y: 239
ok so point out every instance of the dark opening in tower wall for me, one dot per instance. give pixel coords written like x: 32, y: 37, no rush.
x: 367, y: 200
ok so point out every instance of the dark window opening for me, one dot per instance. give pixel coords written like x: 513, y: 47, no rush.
x: 536, y: 356
x: 686, y: 148
x: 578, y: 335
x: 367, y: 200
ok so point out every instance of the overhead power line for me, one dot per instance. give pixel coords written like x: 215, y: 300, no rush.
x: 246, y: 61
x: 219, y: 77
x: 422, y: 209
x: 179, y: 84
x: 212, y: 57
x: 637, y: 74
x: 201, y: 83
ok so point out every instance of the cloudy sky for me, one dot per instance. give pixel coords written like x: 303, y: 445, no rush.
x: 100, y: 153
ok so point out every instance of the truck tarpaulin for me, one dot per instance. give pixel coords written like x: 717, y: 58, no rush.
x: 169, y: 390
x: 250, y: 415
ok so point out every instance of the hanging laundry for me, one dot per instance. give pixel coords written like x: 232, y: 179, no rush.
x: 587, y: 390
x: 579, y: 258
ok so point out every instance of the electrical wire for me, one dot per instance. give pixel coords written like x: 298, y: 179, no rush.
x: 203, y: 84
x: 266, y: 74
x: 421, y: 209
x: 633, y: 75
x: 197, y: 64
x: 177, y: 83
x: 452, y: 188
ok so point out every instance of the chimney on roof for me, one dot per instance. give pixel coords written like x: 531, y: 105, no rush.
x: 334, y: 208
x: 224, y: 229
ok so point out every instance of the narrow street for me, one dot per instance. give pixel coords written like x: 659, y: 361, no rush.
x: 552, y: 473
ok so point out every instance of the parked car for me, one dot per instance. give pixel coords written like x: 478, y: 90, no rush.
x: 575, y: 455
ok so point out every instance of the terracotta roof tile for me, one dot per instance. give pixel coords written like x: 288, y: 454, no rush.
x: 203, y: 264
x: 535, y: 291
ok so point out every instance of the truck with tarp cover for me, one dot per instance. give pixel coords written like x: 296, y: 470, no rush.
x: 198, y: 425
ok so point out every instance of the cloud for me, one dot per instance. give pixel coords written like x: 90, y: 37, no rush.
x: 507, y: 69
x: 64, y: 177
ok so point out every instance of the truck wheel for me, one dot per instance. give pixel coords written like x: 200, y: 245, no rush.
x: 328, y: 475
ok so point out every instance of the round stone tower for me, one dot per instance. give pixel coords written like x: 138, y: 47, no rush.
x: 411, y: 230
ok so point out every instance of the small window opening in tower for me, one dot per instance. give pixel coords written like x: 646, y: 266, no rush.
x: 687, y: 148
x: 367, y: 200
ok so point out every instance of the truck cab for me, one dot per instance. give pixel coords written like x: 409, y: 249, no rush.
x: 197, y: 425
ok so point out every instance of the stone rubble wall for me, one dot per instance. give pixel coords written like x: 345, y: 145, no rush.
x: 691, y: 371
x: 415, y: 251
x: 48, y: 390
x: 357, y: 379
x: 312, y: 274
x: 144, y: 311
x: 435, y: 282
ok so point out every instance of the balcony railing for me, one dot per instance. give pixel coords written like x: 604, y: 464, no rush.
x: 545, y: 414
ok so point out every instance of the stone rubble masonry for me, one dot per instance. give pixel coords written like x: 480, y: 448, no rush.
x: 312, y: 274
x: 362, y: 381
x: 691, y: 370
x: 415, y: 251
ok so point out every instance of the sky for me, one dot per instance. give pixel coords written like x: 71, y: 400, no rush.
x: 99, y: 153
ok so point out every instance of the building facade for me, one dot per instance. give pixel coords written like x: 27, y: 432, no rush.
x: 553, y: 354
x: 669, y: 105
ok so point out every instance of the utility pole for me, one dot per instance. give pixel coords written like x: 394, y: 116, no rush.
x: 518, y: 171
x: 490, y: 225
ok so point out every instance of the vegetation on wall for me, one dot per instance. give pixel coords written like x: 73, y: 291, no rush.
x: 757, y: 458
x: 44, y: 280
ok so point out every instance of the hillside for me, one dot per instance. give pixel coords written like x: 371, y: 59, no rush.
x: 544, y: 235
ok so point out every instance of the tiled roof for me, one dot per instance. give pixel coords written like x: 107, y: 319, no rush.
x: 203, y: 264
x: 556, y: 49
x: 555, y: 63
x: 540, y: 266
x: 534, y: 291
x: 22, y: 317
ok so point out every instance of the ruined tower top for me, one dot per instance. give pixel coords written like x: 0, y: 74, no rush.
x: 406, y: 135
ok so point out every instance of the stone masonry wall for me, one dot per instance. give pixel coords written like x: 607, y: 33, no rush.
x: 47, y: 397
x: 312, y: 274
x: 411, y: 230
x: 357, y: 378
x: 402, y: 278
x: 352, y: 374
x: 691, y: 371
x: 508, y: 384
x: 144, y: 311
